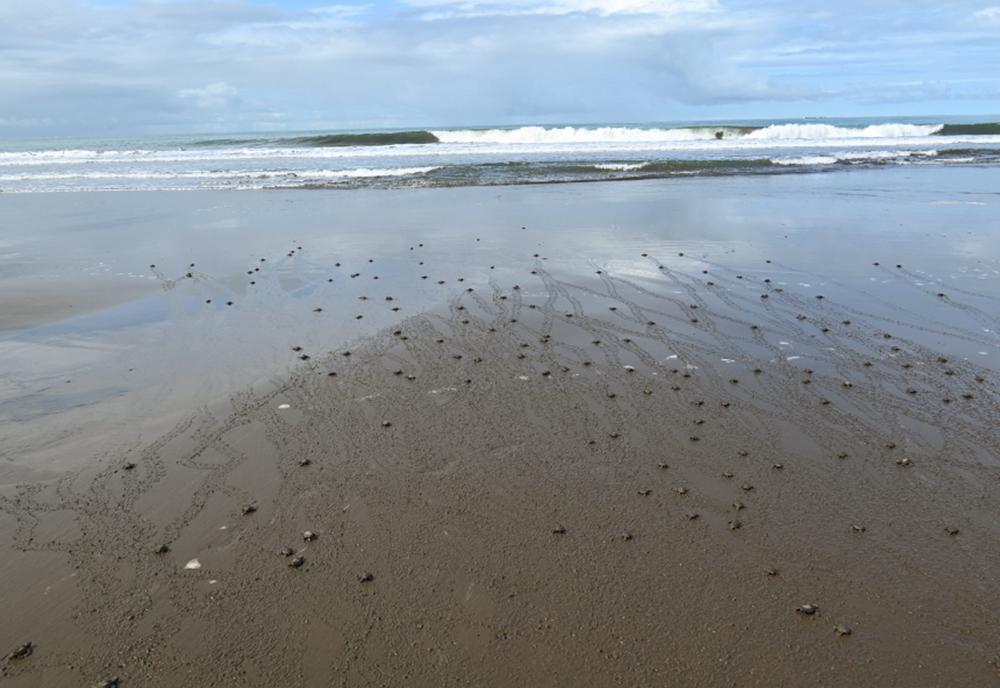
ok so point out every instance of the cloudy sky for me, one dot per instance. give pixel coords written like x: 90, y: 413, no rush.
x: 118, y: 67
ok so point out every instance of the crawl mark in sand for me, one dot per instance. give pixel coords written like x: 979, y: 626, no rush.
x: 192, y: 565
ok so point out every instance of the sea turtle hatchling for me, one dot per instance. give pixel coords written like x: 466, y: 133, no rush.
x: 841, y: 630
x: 308, y: 536
x: 23, y: 651
x: 808, y: 609
x: 297, y: 562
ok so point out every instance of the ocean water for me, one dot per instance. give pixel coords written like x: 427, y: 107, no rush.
x: 490, y: 156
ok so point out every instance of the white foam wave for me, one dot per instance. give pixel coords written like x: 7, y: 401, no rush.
x: 813, y: 132
x: 620, y: 166
x: 872, y: 156
x: 522, y: 135
x: 294, y: 175
x: 536, y: 135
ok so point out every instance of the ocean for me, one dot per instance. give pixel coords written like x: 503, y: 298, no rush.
x: 491, y: 155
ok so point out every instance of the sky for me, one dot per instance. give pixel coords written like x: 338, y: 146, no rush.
x: 132, y: 67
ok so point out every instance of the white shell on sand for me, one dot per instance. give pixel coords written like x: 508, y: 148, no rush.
x: 192, y: 565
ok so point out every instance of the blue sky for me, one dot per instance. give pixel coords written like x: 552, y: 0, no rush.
x: 122, y: 67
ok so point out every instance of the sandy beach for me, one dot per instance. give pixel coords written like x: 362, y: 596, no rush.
x: 705, y: 432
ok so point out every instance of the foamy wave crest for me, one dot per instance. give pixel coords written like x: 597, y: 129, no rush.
x: 828, y: 131
x: 545, y: 135
x: 361, y: 172
x: 620, y: 166
x: 366, y: 172
x: 864, y: 156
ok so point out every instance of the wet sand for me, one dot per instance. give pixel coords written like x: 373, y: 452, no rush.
x: 614, y: 437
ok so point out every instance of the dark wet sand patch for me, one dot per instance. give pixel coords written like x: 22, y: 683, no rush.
x: 499, y: 520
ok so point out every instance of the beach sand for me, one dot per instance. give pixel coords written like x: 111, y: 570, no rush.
x: 712, y: 432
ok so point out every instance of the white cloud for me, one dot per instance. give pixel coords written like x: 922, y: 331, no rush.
x: 210, y: 97
x: 447, y: 9
x: 81, y: 65
x: 989, y: 16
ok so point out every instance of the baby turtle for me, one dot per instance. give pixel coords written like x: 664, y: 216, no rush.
x: 746, y: 487
x: 778, y: 466
x: 366, y: 577
x: 297, y: 562
x: 626, y: 536
x: 559, y: 530
x: 23, y: 651
x: 841, y: 630
x: 739, y: 506
x: 308, y: 536
x: 249, y: 509
x: 112, y: 682
x: 128, y: 466
x: 951, y: 530
x: 386, y: 424
x: 692, y: 515
x: 663, y: 466
x: 904, y: 462
x: 727, y: 474
x: 808, y: 609
x: 162, y: 549
x: 681, y: 490
x: 735, y: 525
x: 771, y: 572
x: 286, y: 551
x: 855, y: 528
x: 645, y: 493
